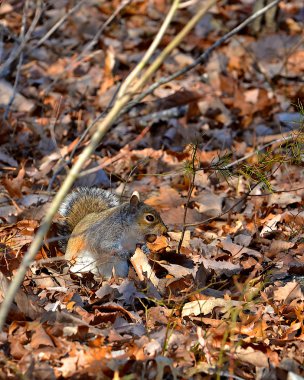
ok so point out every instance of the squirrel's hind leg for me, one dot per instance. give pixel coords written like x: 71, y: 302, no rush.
x: 84, y: 262
x: 100, y: 267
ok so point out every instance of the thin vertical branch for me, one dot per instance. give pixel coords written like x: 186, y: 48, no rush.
x: 22, y: 33
x: 190, y: 190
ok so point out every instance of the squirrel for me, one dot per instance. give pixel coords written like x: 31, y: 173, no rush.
x: 103, y: 232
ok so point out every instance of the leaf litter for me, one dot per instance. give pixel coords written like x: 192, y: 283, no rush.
x: 230, y: 302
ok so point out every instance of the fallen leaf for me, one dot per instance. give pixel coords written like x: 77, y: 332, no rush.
x: 271, y: 225
x: 238, y: 250
x: 142, y: 267
x: 209, y: 203
x: 20, y: 103
x: 40, y: 338
x: 222, y: 267
x: 280, y: 245
x: 177, y: 236
x: 251, y: 356
x: 167, y: 198
x: 283, y: 199
x: 206, y: 306
x: 289, y: 292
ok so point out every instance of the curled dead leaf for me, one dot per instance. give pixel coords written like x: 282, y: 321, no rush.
x: 206, y: 306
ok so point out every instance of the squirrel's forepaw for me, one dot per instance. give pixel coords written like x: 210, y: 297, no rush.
x: 145, y: 249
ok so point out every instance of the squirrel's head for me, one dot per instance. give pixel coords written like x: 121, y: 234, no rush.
x: 148, y: 220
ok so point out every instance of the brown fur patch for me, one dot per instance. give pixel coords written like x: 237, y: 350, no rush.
x: 75, y: 246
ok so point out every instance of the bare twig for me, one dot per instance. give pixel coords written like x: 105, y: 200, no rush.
x: 53, y: 124
x: 176, y: 40
x: 12, y: 98
x: 49, y: 260
x: 202, y: 58
x: 92, y: 43
x: 277, y: 192
x: 143, y: 62
x: 22, y: 33
x: 59, y: 23
x: 245, y: 196
x: 95, y: 39
x: 16, y: 52
x: 191, y: 187
x: 288, y: 136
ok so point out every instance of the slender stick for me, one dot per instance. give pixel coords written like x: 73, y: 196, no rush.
x: 15, y: 53
x: 59, y: 23
x: 176, y: 40
x: 20, y: 61
x: 203, y: 57
x: 190, y: 190
x: 151, y: 49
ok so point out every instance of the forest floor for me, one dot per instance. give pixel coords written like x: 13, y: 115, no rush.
x: 218, y: 151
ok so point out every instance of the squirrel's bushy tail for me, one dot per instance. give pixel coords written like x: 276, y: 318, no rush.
x: 81, y: 202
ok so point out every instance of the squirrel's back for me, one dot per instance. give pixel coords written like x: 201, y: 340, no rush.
x: 83, y: 201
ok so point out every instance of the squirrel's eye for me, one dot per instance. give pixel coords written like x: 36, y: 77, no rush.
x: 150, y: 218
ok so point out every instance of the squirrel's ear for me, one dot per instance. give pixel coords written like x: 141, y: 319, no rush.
x: 134, y: 200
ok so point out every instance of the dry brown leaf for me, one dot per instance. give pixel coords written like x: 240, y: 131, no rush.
x: 142, y: 267
x: 177, y: 236
x: 238, y: 250
x: 40, y: 338
x: 69, y: 365
x: 294, y: 216
x: 221, y: 267
x: 167, y: 199
x: 174, y: 217
x: 289, y: 292
x: 254, y: 357
x: 271, y: 224
x: 159, y: 244
x: 206, y: 306
x: 17, y: 350
x: 20, y: 103
x: 209, y: 203
x: 280, y: 245
x: 177, y: 271
x: 283, y: 199
x: 14, y: 186
x: 295, y: 63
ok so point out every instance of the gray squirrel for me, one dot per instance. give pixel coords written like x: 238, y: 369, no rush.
x: 104, y: 232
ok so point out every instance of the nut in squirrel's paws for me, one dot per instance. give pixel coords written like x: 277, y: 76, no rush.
x: 151, y: 238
